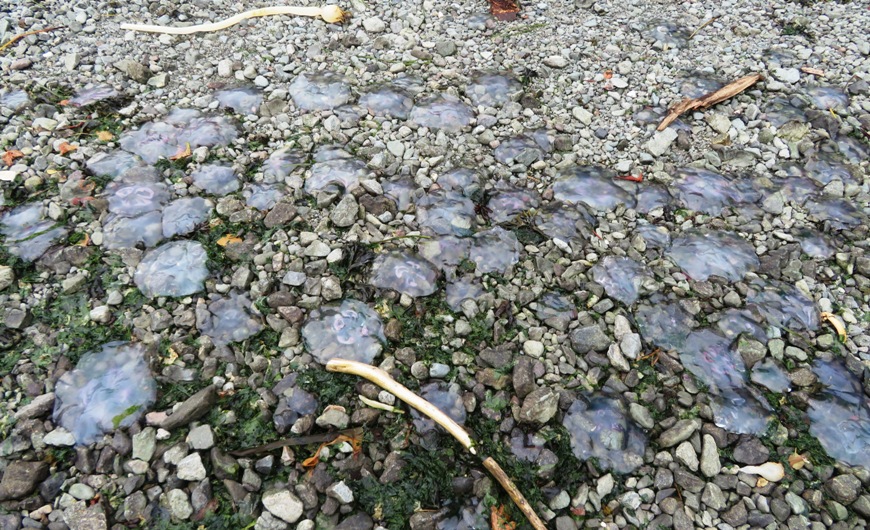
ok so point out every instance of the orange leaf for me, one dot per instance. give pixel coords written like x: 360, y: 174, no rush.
x: 104, y: 136
x: 84, y: 242
x: 65, y: 148
x: 499, y: 519
x: 608, y: 74
x: 228, y: 239
x: 64, y: 102
x: 182, y: 153
x: 10, y: 156
x: 813, y: 71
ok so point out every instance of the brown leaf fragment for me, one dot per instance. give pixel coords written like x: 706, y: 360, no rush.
x: 104, y: 136
x: 707, y: 100
x: 228, y: 239
x: 182, y: 153
x: 504, y: 10
x: 66, y: 147
x: 10, y: 156
x: 813, y: 71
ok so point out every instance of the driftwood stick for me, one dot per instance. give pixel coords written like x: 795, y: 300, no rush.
x: 383, y: 380
x: 726, y: 92
x: 298, y: 440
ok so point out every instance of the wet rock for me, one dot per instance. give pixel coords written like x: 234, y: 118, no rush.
x: 539, y: 406
x: 193, y: 408
x: 680, y: 432
x: 589, y: 338
x: 21, y: 478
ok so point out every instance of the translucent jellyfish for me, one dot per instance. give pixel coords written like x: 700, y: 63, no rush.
x: 734, y: 322
x: 495, y: 250
x: 708, y: 192
x: 135, y: 199
x: 780, y: 111
x: 505, y: 204
x: 599, y: 427
x: 713, y: 360
x: 172, y: 269
x: 493, y: 90
x: 796, y: 189
x: 554, y: 306
x: 216, y: 179
x: 814, y: 244
x: 446, y: 213
x: 28, y: 233
x: 527, y: 447
x: 828, y: 97
x: 229, y: 319
x: 319, y: 91
x: 263, y: 196
x: 668, y: 33
x: 387, y: 101
x: 241, y: 100
x: 282, y: 163
x: 566, y: 222
x: 446, y: 398
x: 341, y: 173
x: 445, y: 252
x: 401, y: 191
x: 841, y: 213
x: 852, y: 149
x: 92, y: 95
x: 350, y: 330
x: 293, y: 403
x: 621, y: 277
x: 654, y: 236
x: 652, y: 196
x: 593, y: 186
x: 697, y: 84
x: 207, y: 131
x: 781, y: 56
x: 462, y: 289
x: 127, y: 232
x: 771, y: 376
x: 667, y: 325
x: 163, y: 139
x: 152, y: 141
x: 715, y: 253
x: 840, y: 414
x: 521, y: 150
x: 122, y: 166
x: 14, y: 100
x: 108, y: 389
x: 783, y: 305
x: 404, y: 272
x: 442, y: 112
x: 461, y: 179
x: 826, y: 167
x: 182, y: 216
x: 741, y: 410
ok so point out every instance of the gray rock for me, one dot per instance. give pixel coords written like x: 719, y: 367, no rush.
x: 374, y: 25
x: 283, y: 505
x: 524, y: 377
x: 713, y: 497
x: 179, y: 504
x: 280, y: 214
x: 294, y: 279
x: 787, y: 75
x: 333, y: 416
x: 685, y: 453
x: 556, y: 61
x: 345, y: 212
x: 21, y: 478
x: 589, y: 338
x: 844, y: 488
x: 737, y: 515
x: 680, y: 432
x: 267, y: 521
x: 641, y: 415
x: 190, y: 468
x: 357, y: 521
x: 40, y: 406
x: 445, y: 48
x: 340, y: 492
x: 751, y: 451
x: 661, y: 142
x: 862, y: 505
x: 752, y: 351
x: 605, y: 485
x: 7, y: 276
x: 82, y: 492
x: 78, y: 516
x: 539, y: 406
x: 59, y: 437
x: 136, y: 508
x: 710, y: 464
x: 201, y: 437
x: 133, y: 69
x: 17, y: 318
x: 193, y: 408
x: 144, y: 444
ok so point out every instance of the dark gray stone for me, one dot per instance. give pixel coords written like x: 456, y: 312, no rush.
x: 589, y: 338
x: 192, y: 409
x: 280, y: 214
x: 21, y: 478
x: 751, y: 451
x: 524, y: 376
x: 844, y: 488
x: 737, y: 515
x: 357, y: 521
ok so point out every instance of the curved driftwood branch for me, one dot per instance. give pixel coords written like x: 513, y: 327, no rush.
x: 329, y: 13
x: 383, y: 380
x: 726, y: 92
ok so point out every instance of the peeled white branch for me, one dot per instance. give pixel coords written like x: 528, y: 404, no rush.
x: 329, y: 13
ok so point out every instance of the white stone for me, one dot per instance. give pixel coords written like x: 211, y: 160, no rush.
x: 283, y: 505
x: 101, y: 314
x: 340, y: 492
x: 59, y: 437
x: 374, y: 25
x: 556, y: 61
x: 787, y: 75
x: 661, y: 142
x: 190, y: 468
x: 533, y: 348
x: 685, y: 453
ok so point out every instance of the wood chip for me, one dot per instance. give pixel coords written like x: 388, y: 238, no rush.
x: 813, y: 71
x: 707, y: 100
x: 504, y: 10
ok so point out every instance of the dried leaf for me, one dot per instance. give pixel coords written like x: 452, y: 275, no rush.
x: 10, y: 156
x: 104, y: 136
x: 171, y: 358
x: 726, y: 92
x: 505, y: 10
x: 835, y: 321
x: 761, y: 482
x: 63, y: 102
x: 797, y: 461
x: 85, y: 241
x: 182, y: 153
x: 228, y: 239
x: 813, y: 71
x: 499, y: 520
x: 66, y: 147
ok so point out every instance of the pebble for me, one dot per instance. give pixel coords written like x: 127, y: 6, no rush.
x: 190, y: 468
x: 283, y: 505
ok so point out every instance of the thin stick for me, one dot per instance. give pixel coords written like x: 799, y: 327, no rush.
x: 383, y: 380
x: 329, y: 13
x: 17, y: 38
x: 702, y: 26
x: 726, y: 92
x: 298, y: 440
